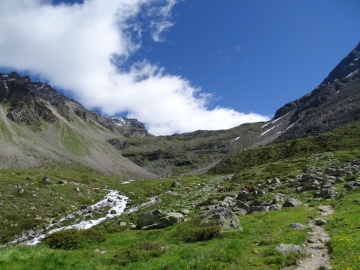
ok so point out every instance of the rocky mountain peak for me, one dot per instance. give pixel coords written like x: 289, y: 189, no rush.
x: 334, y: 103
x: 29, y: 101
x: 347, y: 66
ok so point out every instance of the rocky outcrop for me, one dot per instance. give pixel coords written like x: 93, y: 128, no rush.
x: 158, y: 220
x: 334, y: 103
x: 29, y: 103
x: 222, y: 217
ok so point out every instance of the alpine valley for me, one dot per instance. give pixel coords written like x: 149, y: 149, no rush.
x: 79, y: 190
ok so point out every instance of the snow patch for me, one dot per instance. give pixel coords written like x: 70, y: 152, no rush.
x: 355, y: 71
x: 290, y: 126
x: 267, y: 131
x: 237, y: 138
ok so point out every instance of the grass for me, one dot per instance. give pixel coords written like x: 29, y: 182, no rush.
x: 4, y: 131
x: 344, y: 228
x: 158, y: 249
x: 343, y: 143
x: 125, y: 248
x: 73, y: 142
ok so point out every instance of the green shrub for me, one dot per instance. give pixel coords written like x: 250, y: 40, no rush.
x: 138, y: 252
x: 73, y: 238
x: 192, y: 231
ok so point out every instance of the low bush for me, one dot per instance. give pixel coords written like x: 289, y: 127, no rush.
x: 73, y: 238
x: 138, y: 252
x: 192, y: 231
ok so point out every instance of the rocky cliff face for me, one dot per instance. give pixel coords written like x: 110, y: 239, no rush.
x: 28, y: 104
x: 334, y: 103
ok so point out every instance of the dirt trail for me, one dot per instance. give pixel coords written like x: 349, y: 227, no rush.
x: 318, y: 254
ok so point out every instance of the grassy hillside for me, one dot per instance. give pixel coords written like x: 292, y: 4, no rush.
x: 187, y: 153
x: 116, y: 245
x: 64, y: 141
x: 343, y: 143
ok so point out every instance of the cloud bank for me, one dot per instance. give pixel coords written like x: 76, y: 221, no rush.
x: 84, y: 49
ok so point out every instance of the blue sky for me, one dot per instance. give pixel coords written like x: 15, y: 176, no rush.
x: 180, y: 65
x: 257, y: 55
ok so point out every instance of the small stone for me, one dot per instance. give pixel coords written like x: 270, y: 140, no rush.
x: 289, y: 248
x: 297, y: 226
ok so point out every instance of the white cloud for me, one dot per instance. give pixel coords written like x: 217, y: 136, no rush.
x: 75, y: 47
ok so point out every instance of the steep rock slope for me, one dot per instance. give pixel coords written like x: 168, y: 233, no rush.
x: 334, y: 103
x: 39, y: 125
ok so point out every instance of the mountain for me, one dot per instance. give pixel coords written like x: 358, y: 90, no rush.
x: 39, y: 125
x: 334, y: 103
x: 275, y: 206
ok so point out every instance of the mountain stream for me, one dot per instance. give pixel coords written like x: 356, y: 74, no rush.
x: 113, y: 201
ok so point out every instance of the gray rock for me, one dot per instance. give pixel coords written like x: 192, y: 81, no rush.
x: 239, y: 211
x: 62, y: 182
x: 113, y: 212
x: 157, y: 220
x: 352, y: 185
x: 275, y: 207
x: 243, y: 195
x: 275, y: 180
x: 357, y: 201
x: 291, y: 202
x: 258, y: 208
x: 320, y: 222
x: 325, y: 267
x: 242, y: 205
x: 223, y: 217
x: 298, y: 226
x: 327, y: 193
x: 46, y: 179
x: 185, y: 211
x: 289, y: 248
x: 175, y: 184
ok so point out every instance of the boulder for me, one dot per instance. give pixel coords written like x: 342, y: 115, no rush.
x: 243, y: 195
x: 352, y: 185
x: 327, y: 193
x: 258, y: 208
x: 62, y: 182
x: 275, y: 180
x: 175, y: 184
x: 289, y: 248
x: 298, y: 226
x: 242, y: 205
x: 274, y: 207
x: 239, y: 211
x: 223, y: 217
x: 157, y: 220
x: 291, y: 202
